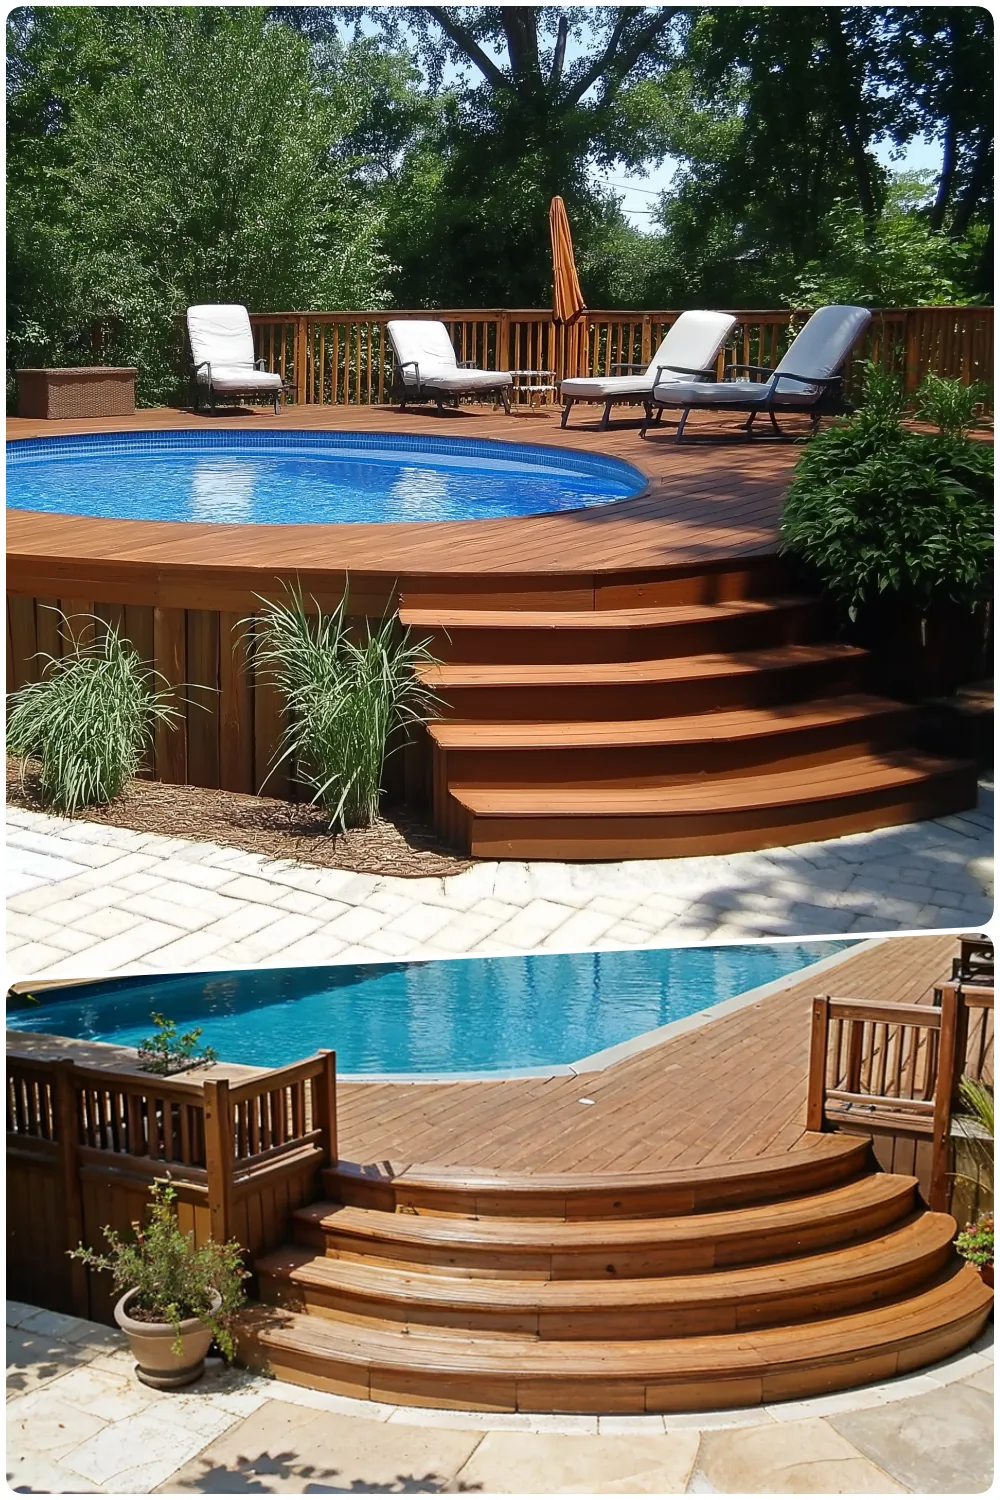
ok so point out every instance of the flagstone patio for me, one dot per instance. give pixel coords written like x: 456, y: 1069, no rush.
x: 78, y: 1422
x: 88, y: 900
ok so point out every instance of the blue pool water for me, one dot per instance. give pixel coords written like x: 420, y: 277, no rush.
x: 292, y: 478
x: 477, y: 1015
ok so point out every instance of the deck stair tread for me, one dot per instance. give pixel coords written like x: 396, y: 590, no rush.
x: 954, y: 1298
x: 849, y: 777
x: 719, y: 725
x: 635, y: 617
x: 705, y: 665
x: 833, y: 1210
x: 827, y: 1158
x: 917, y: 1240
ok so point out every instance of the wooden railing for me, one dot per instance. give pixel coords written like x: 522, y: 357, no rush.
x: 345, y: 358
x: 893, y: 1071
x: 85, y: 1143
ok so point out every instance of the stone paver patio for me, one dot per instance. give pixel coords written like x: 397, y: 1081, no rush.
x: 78, y: 1422
x: 86, y: 900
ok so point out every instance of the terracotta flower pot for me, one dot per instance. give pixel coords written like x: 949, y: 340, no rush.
x: 157, y: 1362
x: 986, y: 1272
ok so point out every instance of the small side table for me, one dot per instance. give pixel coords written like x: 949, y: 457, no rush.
x: 76, y: 391
x: 540, y: 382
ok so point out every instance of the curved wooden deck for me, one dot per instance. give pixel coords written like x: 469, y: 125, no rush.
x: 705, y: 713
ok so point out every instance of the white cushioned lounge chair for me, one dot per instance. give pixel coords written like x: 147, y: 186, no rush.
x: 427, y: 368
x: 808, y: 379
x: 689, y: 351
x: 223, y: 355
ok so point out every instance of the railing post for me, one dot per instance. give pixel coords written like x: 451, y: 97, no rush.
x: 326, y: 1106
x: 816, y: 1099
x: 948, y: 1072
x: 66, y: 1135
x: 301, y: 346
x: 503, y: 340
x: 219, y: 1153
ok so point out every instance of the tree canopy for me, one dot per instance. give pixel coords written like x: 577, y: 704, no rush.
x: 297, y: 156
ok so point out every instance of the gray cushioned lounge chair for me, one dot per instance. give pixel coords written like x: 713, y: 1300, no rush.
x: 427, y: 367
x: 808, y: 379
x: 689, y: 351
x: 223, y: 355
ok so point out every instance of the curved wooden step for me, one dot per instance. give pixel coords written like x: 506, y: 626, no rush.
x: 868, y: 1273
x: 586, y: 1249
x: 660, y: 750
x: 661, y: 685
x: 559, y: 635
x: 710, y: 815
x: 829, y: 1160
x: 441, y: 1368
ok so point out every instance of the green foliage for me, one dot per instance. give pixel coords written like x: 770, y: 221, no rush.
x: 167, y: 1052
x: 975, y: 1242
x: 875, y: 509
x: 898, y: 260
x: 170, y: 155
x: 978, y: 1100
x: 345, y: 699
x: 175, y: 1279
x: 89, y: 718
x: 953, y: 408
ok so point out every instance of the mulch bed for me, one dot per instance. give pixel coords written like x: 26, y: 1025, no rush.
x: 398, y: 844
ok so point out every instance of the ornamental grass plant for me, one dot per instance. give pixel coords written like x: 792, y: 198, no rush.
x: 347, y: 692
x: 90, y: 718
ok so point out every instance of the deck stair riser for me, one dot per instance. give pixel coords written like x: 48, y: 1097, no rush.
x: 614, y: 635
x: 786, y: 740
x: 753, y: 1283
x: 838, y: 1159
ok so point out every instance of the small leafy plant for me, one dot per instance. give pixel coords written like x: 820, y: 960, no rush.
x: 975, y: 1242
x: 876, y: 509
x: 345, y: 697
x: 167, y: 1052
x: 953, y: 408
x: 90, y: 717
x: 174, y: 1279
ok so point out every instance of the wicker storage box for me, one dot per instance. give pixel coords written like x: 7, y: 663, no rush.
x: 87, y: 391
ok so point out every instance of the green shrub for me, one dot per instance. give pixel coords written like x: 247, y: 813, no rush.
x: 166, y: 1052
x: 876, y: 509
x: 175, y: 1279
x: 89, y: 719
x: 953, y: 408
x: 344, y: 699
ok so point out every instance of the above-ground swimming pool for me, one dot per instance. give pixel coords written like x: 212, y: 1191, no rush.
x: 295, y: 478
x: 477, y: 1015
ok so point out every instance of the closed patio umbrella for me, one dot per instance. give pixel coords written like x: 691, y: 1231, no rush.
x: 567, y: 298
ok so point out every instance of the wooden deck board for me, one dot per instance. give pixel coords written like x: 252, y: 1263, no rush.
x: 733, y: 1090
x: 704, y: 503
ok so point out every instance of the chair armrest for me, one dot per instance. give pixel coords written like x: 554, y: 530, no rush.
x: 260, y: 364
x: 467, y: 364
x: 205, y: 364
x: 811, y: 379
x: 730, y: 370
x: 405, y: 364
x: 704, y: 374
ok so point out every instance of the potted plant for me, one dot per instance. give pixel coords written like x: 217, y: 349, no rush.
x: 176, y: 1296
x: 975, y: 1244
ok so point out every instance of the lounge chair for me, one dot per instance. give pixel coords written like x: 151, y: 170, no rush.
x: 427, y: 368
x: 690, y: 349
x: 223, y: 355
x: 808, y: 379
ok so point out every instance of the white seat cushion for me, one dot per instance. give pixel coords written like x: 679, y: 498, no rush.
x: 692, y: 343
x: 239, y: 378
x: 739, y: 393
x: 220, y: 332
x: 455, y: 381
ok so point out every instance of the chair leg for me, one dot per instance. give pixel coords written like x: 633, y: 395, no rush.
x: 749, y: 423
x: 682, y: 423
x: 567, y: 404
x: 606, y: 417
x: 505, y: 398
x: 774, y: 423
